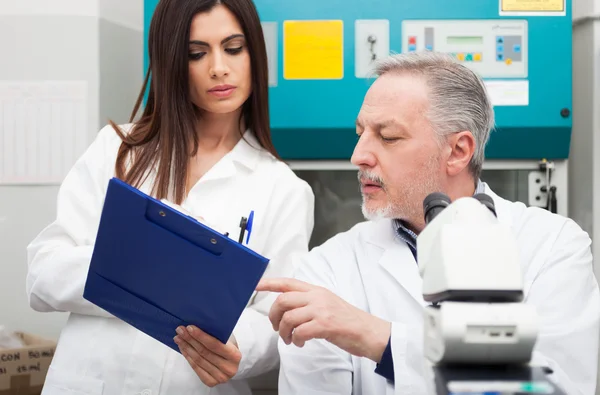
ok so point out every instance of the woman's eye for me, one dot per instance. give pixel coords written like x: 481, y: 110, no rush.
x: 233, y: 51
x: 197, y: 55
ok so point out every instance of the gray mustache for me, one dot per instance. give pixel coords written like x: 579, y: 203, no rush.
x: 364, y: 175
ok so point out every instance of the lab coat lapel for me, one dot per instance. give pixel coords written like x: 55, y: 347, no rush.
x: 401, y: 265
x: 394, y: 257
x: 224, y: 168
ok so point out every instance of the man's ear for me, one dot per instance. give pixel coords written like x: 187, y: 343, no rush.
x: 462, y: 145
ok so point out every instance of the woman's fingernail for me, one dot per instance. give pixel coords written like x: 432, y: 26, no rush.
x: 190, y: 329
x: 179, y: 331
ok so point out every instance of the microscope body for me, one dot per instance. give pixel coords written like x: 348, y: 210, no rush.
x: 479, y: 335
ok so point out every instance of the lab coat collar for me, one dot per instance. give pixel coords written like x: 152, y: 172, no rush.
x: 246, y: 153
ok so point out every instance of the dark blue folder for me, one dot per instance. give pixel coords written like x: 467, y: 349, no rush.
x: 156, y: 268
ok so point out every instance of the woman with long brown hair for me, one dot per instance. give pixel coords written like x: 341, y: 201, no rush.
x: 202, y: 142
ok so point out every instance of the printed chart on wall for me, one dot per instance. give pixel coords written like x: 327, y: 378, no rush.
x: 532, y: 7
x: 43, y: 130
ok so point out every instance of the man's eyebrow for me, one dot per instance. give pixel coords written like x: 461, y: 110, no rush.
x: 223, y: 41
x: 379, y: 125
x: 398, y: 127
x: 391, y: 123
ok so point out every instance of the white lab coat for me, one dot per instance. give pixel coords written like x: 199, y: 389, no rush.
x: 100, y: 354
x: 373, y: 269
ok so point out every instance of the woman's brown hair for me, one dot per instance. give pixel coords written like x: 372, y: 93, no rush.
x: 165, y: 136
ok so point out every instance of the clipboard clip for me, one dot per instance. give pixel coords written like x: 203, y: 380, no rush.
x: 246, y: 226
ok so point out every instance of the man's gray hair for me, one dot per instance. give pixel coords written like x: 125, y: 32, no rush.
x: 458, y: 99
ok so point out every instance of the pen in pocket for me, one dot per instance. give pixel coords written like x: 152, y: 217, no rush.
x: 246, y: 226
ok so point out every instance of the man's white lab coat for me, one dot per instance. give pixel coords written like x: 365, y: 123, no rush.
x: 373, y: 269
x: 99, y: 354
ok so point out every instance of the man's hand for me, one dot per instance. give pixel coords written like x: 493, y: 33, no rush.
x: 214, y: 362
x: 304, y: 312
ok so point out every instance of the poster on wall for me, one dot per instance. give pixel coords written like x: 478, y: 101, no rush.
x: 43, y: 130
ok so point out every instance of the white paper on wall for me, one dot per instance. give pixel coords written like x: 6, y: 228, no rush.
x: 43, y: 130
x: 508, y: 92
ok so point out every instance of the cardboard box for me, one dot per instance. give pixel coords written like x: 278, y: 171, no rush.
x: 23, y: 370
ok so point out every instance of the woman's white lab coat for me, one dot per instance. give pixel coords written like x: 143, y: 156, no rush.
x: 100, y: 354
x: 374, y: 270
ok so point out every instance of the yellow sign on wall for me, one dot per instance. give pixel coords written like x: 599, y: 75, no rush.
x: 532, y: 5
x: 313, y: 50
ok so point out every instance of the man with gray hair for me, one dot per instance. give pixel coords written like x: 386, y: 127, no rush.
x: 354, y: 311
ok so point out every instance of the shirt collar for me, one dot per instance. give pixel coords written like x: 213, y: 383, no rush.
x: 247, y: 151
x: 410, y: 237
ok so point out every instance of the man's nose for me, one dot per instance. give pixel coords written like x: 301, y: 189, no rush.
x: 363, y: 155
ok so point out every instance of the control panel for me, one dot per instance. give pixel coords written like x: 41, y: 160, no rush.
x: 321, y: 56
x: 492, y: 48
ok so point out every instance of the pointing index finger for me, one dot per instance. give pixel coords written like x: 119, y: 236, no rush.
x: 283, y: 285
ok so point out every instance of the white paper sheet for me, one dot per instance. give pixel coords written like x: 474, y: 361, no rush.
x: 43, y: 130
x: 508, y: 92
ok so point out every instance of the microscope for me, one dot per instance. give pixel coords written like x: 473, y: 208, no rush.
x: 479, y: 334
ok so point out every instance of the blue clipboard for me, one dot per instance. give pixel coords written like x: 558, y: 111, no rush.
x: 157, y: 268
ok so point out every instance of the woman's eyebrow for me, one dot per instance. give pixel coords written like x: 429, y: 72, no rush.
x: 226, y: 39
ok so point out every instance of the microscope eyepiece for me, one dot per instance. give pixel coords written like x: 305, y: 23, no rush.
x: 433, y: 204
x: 487, y: 201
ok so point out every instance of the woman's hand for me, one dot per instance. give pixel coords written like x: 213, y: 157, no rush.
x: 214, y: 362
